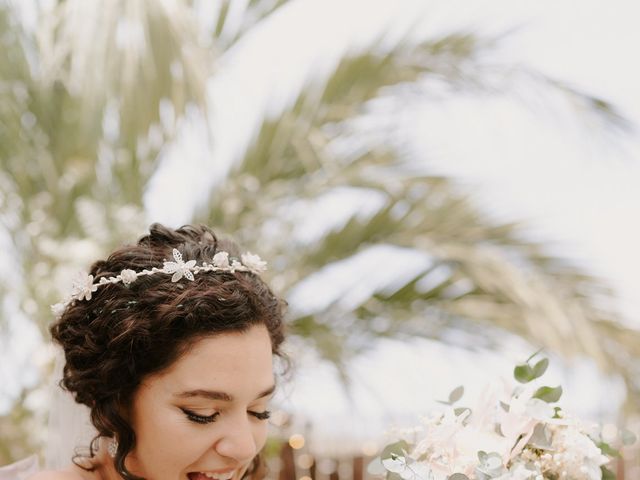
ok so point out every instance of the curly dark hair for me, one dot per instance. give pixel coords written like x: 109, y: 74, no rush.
x: 127, y: 333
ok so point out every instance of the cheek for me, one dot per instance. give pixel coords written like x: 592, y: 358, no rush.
x: 156, y: 440
x: 169, y: 427
x: 261, y: 435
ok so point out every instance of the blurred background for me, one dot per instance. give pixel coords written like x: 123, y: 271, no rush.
x: 441, y: 189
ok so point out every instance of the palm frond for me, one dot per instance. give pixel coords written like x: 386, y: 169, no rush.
x: 488, y: 274
x: 90, y: 102
x: 131, y: 53
x: 234, y: 19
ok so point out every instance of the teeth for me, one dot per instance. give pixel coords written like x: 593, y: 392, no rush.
x: 219, y: 476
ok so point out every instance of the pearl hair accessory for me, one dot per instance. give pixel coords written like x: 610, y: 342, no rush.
x: 84, y: 284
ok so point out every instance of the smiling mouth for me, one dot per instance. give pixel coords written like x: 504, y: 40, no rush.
x: 208, y: 475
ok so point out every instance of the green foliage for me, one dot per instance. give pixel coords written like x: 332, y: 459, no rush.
x: 14, y: 442
x: 525, y: 373
x: 549, y: 394
x: 397, y: 449
x: 628, y: 437
x: 608, y: 449
x: 607, y: 474
x: 226, y: 34
x: 456, y: 394
x: 460, y: 410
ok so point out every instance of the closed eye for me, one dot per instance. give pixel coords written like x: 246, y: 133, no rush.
x: 261, y: 415
x: 202, y: 419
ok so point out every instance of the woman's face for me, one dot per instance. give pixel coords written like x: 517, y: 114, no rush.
x: 206, y: 416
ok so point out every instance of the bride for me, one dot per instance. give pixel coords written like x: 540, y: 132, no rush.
x: 168, y: 345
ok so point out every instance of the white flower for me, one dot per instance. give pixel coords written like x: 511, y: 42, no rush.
x: 179, y: 268
x: 520, y: 471
x: 253, y: 262
x: 577, y: 454
x: 128, y: 276
x: 471, y: 439
x: 517, y: 424
x: 539, y: 409
x: 58, y: 309
x: 83, y: 286
x: 221, y: 260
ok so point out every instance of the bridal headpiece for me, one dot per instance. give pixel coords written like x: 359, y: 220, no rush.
x: 84, y: 285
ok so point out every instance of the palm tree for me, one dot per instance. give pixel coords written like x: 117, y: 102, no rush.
x: 88, y: 100
x: 473, y: 273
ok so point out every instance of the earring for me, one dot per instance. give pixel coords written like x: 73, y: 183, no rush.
x: 112, y: 447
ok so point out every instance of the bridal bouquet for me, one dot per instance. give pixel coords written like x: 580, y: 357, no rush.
x: 511, y: 434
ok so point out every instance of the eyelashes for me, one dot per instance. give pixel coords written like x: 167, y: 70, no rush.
x: 202, y: 419
x: 266, y: 415
x: 206, y: 419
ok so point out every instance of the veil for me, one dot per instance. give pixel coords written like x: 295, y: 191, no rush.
x: 69, y: 423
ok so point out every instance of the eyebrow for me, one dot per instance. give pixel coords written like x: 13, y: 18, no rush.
x: 225, y: 397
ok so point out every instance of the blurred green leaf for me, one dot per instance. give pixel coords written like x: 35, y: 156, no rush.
x: 397, y: 448
x: 607, y: 474
x: 523, y: 373
x: 628, y: 437
x: 456, y: 394
x: 608, y: 450
x: 539, y: 368
x: 548, y: 394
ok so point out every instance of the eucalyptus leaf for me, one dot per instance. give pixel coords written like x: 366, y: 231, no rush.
x: 490, y: 463
x: 540, y: 367
x: 480, y: 475
x: 460, y: 410
x: 608, y: 450
x: 523, y: 373
x: 607, y: 474
x: 456, y: 394
x: 549, y: 394
x: 395, y: 449
x: 458, y: 476
x: 423, y: 457
x: 628, y: 437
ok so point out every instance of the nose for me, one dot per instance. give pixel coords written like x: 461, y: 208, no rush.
x: 238, y: 442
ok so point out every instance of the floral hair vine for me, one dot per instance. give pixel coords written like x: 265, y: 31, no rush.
x: 84, y: 285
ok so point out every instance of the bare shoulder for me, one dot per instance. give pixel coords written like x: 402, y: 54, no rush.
x: 55, y: 475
